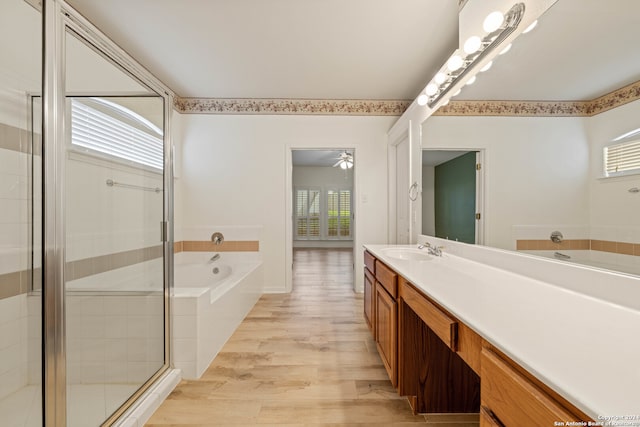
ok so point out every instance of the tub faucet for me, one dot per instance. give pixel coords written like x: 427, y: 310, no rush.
x: 215, y: 257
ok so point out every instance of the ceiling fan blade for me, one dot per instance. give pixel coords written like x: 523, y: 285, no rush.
x: 338, y: 162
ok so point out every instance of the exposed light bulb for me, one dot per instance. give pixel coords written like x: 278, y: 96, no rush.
x: 493, y: 21
x: 454, y: 63
x: 486, y: 67
x: 506, y: 49
x: 530, y: 27
x: 431, y: 89
x: 471, y: 81
x: 472, y: 44
x: 422, y: 99
x: 440, y: 78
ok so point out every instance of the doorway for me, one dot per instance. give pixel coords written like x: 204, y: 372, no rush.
x: 323, y: 217
x: 451, y: 195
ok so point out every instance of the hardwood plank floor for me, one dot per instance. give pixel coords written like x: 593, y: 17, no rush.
x: 299, y: 359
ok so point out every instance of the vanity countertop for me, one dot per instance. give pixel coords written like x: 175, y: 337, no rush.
x: 584, y: 348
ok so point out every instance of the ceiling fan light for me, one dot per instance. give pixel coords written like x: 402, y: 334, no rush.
x: 343, y: 165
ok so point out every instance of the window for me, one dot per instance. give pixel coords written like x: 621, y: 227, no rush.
x: 99, y: 126
x: 622, y: 158
x: 338, y: 214
x: 307, y: 205
x: 322, y: 214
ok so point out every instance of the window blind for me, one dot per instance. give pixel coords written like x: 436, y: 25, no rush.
x: 622, y: 158
x: 95, y: 130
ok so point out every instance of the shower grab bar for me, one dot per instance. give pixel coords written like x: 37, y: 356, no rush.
x: 112, y: 183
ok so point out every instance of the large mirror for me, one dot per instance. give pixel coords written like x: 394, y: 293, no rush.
x: 540, y: 119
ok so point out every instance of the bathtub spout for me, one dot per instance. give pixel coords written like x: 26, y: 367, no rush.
x: 215, y: 257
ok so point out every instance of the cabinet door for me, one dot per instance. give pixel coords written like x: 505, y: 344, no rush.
x: 386, y: 316
x: 369, y: 301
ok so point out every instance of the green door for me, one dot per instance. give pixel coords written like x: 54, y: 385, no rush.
x: 455, y: 199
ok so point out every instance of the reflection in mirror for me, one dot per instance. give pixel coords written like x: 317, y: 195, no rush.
x: 449, y: 194
x: 20, y: 220
x: 114, y: 275
x: 543, y: 115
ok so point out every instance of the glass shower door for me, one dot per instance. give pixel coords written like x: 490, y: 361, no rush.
x: 20, y: 181
x: 114, y: 199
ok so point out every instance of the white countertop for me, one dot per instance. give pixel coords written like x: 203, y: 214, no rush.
x: 584, y: 348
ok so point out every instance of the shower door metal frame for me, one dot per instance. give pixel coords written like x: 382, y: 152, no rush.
x: 58, y: 17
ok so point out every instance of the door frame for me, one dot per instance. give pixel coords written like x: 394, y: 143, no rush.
x: 480, y: 192
x: 289, y: 149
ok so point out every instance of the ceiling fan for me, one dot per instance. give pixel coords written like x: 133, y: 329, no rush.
x: 345, y: 161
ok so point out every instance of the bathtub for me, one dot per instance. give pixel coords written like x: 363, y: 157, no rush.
x: 210, y: 299
x: 609, y: 261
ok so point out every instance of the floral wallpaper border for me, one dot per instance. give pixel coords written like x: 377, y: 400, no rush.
x: 350, y: 107
x: 596, y: 106
x: 291, y: 106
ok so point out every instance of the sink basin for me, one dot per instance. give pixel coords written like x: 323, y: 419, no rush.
x: 407, y: 254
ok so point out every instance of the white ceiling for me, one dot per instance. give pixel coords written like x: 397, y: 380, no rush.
x: 329, y: 49
x: 581, y: 49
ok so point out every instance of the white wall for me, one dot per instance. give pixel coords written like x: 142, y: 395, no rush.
x: 614, y: 211
x: 234, y: 173
x: 536, y: 169
x: 428, y: 200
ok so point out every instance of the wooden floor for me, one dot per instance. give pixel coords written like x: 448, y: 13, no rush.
x: 299, y: 359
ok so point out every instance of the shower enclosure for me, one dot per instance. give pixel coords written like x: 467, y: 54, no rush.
x: 85, y: 244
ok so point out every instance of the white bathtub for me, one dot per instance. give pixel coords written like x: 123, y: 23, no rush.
x: 210, y: 299
x: 609, y: 261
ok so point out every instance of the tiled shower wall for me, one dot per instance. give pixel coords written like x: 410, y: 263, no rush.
x: 14, y: 257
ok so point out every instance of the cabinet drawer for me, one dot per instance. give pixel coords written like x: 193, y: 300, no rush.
x: 444, y: 326
x: 387, y: 278
x: 370, y: 262
x: 513, y: 399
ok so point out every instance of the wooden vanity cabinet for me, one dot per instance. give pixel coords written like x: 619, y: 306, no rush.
x: 386, y: 319
x: 512, y: 397
x: 431, y: 372
x: 437, y: 361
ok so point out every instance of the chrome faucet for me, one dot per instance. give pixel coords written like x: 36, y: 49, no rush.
x: 217, y: 238
x: 432, y: 250
x: 215, y: 257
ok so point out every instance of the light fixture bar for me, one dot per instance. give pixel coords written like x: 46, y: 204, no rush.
x: 489, y: 42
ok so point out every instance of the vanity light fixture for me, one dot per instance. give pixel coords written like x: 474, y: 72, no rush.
x: 486, y: 67
x: 498, y: 28
x: 493, y: 21
x: 506, y: 49
x: 530, y: 27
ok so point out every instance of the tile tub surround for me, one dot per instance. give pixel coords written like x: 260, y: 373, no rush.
x: 624, y: 248
x: 543, y: 307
